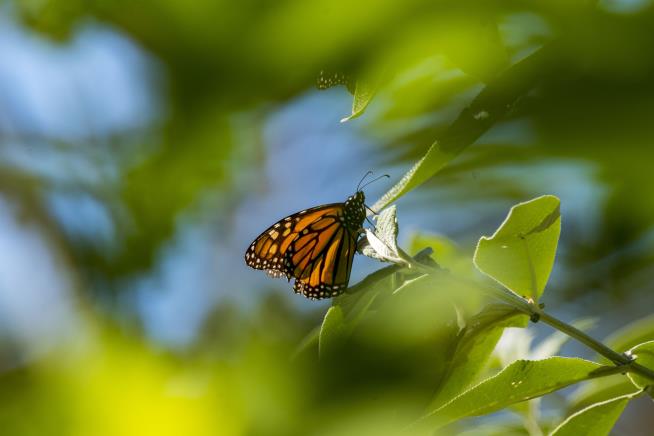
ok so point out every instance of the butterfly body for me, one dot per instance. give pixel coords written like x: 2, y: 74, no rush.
x: 314, y: 246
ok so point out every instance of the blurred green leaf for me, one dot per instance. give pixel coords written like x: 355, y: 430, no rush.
x: 596, y: 420
x: 433, y: 161
x: 473, y: 349
x: 445, y: 251
x: 477, y: 49
x: 410, y: 333
x: 183, y: 175
x: 357, y: 298
x: 495, y: 429
x: 644, y: 355
x: 629, y: 336
x: 473, y: 44
x: 599, y: 390
x: 328, y: 79
x: 332, y: 332
x: 418, y: 281
x: 520, y: 254
x: 551, y: 345
x: 363, y: 93
x: 520, y: 381
x: 514, y: 345
x: 488, y: 107
x: 310, y: 340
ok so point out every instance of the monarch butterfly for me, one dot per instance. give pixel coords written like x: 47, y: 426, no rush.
x: 315, y: 247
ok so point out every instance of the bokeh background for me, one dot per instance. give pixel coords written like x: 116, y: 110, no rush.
x: 143, y: 145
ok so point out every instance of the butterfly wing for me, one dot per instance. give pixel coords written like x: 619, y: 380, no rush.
x: 323, y: 263
x: 270, y: 249
x: 313, y: 246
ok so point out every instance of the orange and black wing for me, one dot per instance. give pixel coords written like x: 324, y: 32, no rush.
x: 312, y: 246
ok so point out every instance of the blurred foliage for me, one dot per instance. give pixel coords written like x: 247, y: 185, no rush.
x: 537, y: 87
x: 597, y: 419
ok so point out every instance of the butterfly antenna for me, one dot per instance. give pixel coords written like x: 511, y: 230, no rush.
x: 373, y: 212
x: 374, y: 180
x: 362, y: 179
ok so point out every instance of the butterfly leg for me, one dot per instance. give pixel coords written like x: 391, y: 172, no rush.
x: 362, y: 230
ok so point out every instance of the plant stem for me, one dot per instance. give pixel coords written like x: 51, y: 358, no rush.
x: 621, y: 360
x: 613, y: 356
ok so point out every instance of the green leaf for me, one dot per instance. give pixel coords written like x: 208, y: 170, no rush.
x: 596, y: 420
x: 357, y: 300
x: 644, y: 355
x: 432, y: 162
x: 632, y: 334
x: 520, y: 254
x: 474, y: 347
x: 487, y: 108
x: 332, y: 332
x: 411, y: 318
x: 363, y: 92
x: 357, y: 296
x: 446, y: 253
x: 309, y: 341
x: 418, y: 281
x: 479, y: 49
x: 329, y: 78
x: 520, y: 381
x: 600, y: 389
x: 350, y: 308
x: 382, y: 244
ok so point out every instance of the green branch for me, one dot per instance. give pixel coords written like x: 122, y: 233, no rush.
x: 613, y: 356
x: 623, y: 362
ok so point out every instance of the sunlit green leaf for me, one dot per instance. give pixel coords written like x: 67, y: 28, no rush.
x: 520, y: 254
x: 520, y: 381
x: 597, y: 419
